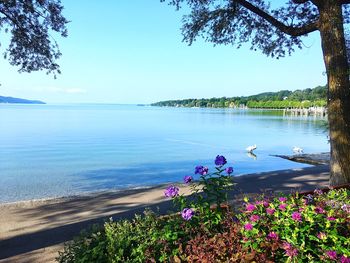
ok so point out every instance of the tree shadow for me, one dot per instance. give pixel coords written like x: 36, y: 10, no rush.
x: 60, y: 221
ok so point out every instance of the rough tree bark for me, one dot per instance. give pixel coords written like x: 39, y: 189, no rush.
x: 337, y: 67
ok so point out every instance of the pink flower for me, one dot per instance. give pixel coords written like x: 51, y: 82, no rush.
x: 282, y: 207
x: 301, y: 209
x: 273, y: 236
x: 282, y: 199
x: 296, y: 216
x: 330, y: 218
x: 290, y: 250
x: 264, y: 203
x: 322, y: 235
x: 319, y: 210
x: 344, y: 259
x: 248, y: 227
x: 254, y: 218
x: 331, y: 254
x: 250, y: 207
x: 270, y: 211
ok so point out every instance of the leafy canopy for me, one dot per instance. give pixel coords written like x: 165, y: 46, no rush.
x: 31, y: 46
x: 276, y: 31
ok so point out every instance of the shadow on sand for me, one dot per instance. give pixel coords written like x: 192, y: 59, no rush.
x: 61, y: 221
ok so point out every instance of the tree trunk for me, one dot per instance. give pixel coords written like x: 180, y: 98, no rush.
x: 337, y: 67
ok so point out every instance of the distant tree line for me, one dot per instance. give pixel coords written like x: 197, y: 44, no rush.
x: 306, y: 98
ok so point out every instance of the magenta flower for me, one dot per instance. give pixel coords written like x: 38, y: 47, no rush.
x: 290, y: 250
x: 229, y: 170
x: 202, y: 170
x: 330, y: 218
x: 171, y: 191
x: 282, y: 207
x: 265, y: 204
x: 344, y: 259
x: 188, y: 179
x: 270, y: 211
x: 248, y: 227
x: 220, y: 160
x: 273, y: 236
x: 331, y: 254
x: 187, y: 213
x: 319, y: 210
x: 282, y: 199
x: 250, y: 207
x: 322, y: 235
x: 254, y: 218
x: 296, y: 216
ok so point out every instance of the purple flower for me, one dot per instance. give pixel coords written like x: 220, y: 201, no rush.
x: 296, y: 216
x: 282, y: 199
x: 250, y: 207
x: 270, y: 211
x: 248, y: 227
x: 254, y: 218
x: 187, y: 213
x: 273, y: 236
x: 319, y: 210
x: 171, y: 191
x: 344, y: 259
x: 290, y: 250
x: 188, y: 179
x: 220, y: 160
x: 331, y: 254
x: 330, y: 218
x: 322, y: 235
x: 346, y: 208
x: 229, y: 170
x: 309, y: 199
x: 282, y: 207
x: 202, y: 170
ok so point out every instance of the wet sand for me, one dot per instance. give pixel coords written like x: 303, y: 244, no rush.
x: 34, y: 231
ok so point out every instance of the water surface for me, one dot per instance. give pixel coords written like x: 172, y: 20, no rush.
x: 60, y: 150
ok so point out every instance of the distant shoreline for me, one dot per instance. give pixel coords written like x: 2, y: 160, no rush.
x: 12, y: 100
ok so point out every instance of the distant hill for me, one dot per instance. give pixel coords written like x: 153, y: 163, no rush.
x: 271, y: 100
x: 18, y: 100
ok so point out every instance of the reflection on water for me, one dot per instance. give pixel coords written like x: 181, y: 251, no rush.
x: 252, y: 155
x: 55, y: 150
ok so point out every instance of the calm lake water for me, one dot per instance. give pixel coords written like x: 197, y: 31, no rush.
x: 61, y: 150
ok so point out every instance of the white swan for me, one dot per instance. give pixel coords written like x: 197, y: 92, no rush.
x: 250, y: 149
x: 297, y: 149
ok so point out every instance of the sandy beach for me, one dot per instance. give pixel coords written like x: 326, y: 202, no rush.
x: 34, y: 231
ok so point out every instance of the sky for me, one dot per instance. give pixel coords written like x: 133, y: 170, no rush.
x: 132, y: 52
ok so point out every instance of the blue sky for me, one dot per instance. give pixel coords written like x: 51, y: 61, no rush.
x: 132, y: 52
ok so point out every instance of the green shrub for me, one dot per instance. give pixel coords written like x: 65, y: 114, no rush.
x: 292, y: 228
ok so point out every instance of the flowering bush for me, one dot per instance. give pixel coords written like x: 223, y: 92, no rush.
x: 315, y: 228
x: 291, y: 228
x: 209, y: 193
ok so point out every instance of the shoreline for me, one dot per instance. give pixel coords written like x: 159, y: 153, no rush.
x: 34, y: 231
x: 91, y: 194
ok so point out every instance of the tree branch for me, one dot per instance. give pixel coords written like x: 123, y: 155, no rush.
x: 289, y: 30
x: 300, y: 1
